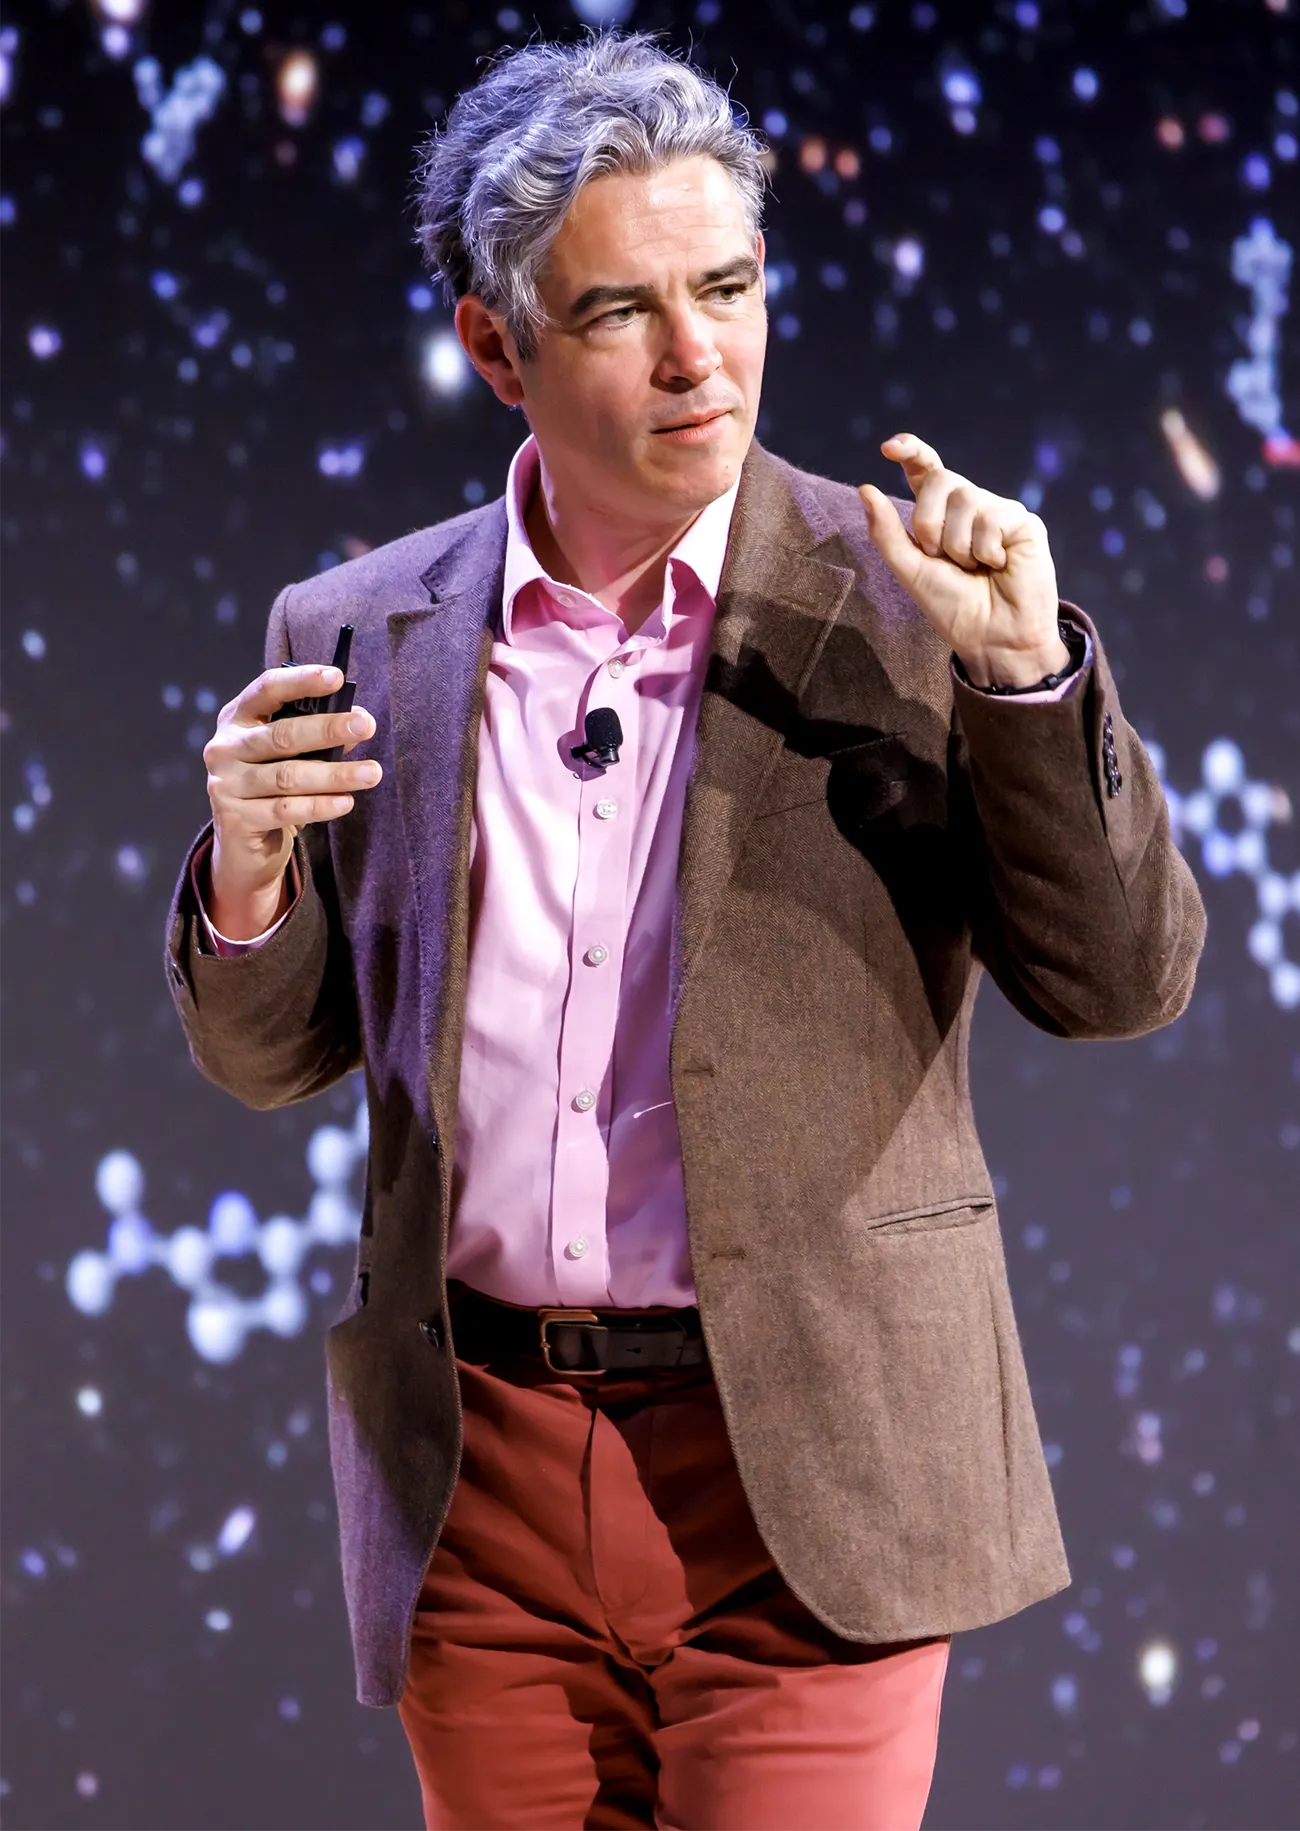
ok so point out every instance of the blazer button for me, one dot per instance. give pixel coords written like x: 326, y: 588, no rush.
x: 432, y: 1332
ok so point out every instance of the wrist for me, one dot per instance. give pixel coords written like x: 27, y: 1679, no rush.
x: 1016, y: 669
x: 241, y: 911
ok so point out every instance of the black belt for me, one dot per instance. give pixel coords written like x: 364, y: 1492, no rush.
x: 574, y: 1341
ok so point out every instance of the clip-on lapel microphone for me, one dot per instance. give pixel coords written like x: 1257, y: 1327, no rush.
x: 604, y: 735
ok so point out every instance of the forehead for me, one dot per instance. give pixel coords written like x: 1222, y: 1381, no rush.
x: 687, y: 212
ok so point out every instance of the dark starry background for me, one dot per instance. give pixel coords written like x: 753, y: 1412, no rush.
x: 182, y: 355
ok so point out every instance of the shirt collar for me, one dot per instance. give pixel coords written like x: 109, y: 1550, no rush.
x: 700, y: 552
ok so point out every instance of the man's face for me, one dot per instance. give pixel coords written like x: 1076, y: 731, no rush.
x: 644, y: 387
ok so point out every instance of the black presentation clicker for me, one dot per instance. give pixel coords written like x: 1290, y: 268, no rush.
x: 326, y: 702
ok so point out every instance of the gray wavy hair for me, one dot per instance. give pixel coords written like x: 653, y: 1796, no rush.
x: 495, y: 184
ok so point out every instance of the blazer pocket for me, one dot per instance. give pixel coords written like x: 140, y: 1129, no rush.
x: 960, y: 1211
x: 870, y: 775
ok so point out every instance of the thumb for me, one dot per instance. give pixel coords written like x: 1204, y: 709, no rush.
x: 897, y: 548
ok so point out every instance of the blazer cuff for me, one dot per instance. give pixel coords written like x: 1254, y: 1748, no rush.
x: 1055, y: 742
x: 193, y: 964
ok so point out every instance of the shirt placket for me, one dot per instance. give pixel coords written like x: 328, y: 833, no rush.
x: 606, y: 816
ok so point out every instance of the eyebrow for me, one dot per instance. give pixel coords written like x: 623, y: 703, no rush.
x: 744, y: 268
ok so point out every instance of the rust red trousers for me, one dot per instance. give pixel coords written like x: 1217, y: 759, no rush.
x: 602, y: 1639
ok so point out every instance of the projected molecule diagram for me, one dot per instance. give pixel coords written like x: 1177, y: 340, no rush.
x: 177, y: 113
x: 219, y: 1320
x: 1261, y: 261
x: 1259, y: 805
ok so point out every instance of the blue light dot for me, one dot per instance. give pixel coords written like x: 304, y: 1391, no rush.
x: 962, y: 88
x: 1255, y: 172
x: 1086, y: 85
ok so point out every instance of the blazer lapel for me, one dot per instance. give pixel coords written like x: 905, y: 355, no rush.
x: 777, y: 602
x: 438, y: 665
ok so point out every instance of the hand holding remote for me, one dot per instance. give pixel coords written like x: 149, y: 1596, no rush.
x: 275, y: 764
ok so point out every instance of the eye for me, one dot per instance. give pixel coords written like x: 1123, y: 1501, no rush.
x: 621, y: 314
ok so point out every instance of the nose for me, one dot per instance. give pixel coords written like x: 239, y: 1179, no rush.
x: 690, y: 354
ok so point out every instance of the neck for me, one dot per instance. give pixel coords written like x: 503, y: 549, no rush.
x: 620, y: 564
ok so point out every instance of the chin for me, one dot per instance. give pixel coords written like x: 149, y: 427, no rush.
x: 697, y: 477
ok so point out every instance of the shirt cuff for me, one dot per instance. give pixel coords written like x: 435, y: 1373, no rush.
x: 220, y: 944
x: 1062, y: 690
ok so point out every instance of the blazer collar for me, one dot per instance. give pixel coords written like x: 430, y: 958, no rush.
x: 438, y: 657
x: 778, y: 599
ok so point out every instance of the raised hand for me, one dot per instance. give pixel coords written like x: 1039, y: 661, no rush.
x: 262, y: 789
x: 978, y: 566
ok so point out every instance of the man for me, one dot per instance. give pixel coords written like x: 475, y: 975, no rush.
x: 677, y: 1412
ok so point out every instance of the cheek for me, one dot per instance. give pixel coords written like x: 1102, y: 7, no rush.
x: 745, y: 352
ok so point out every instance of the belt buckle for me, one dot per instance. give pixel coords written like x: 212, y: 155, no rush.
x: 544, y: 1320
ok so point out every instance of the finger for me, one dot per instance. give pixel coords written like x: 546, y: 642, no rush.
x: 916, y: 457
x: 987, y: 539
x: 289, y: 737
x: 931, y: 511
x: 302, y: 810
x: 958, y: 528
x: 896, y: 547
x: 277, y: 686
x: 298, y: 776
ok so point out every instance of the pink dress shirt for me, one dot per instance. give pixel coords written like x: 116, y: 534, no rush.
x: 568, y: 1174
x: 567, y: 1185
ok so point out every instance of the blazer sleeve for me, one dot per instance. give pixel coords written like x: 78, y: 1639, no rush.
x: 1081, y: 906
x: 281, y: 1022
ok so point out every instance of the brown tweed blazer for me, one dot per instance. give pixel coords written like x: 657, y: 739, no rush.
x: 861, y: 837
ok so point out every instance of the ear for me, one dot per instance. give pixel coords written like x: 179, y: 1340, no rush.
x: 490, y: 348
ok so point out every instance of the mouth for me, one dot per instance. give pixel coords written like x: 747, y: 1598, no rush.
x: 695, y: 430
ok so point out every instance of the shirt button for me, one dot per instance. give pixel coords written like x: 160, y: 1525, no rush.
x: 578, y: 1247
x: 584, y: 1101
x: 597, y: 955
x: 615, y: 668
x: 606, y: 810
